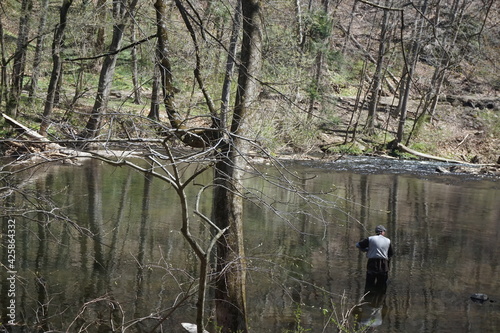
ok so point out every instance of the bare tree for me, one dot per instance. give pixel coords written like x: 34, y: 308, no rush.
x: 378, y: 76
x: 231, y: 157
x: 230, y: 63
x: 3, y: 64
x: 39, y: 48
x: 135, y: 66
x: 229, y: 174
x: 55, y: 77
x: 20, y: 58
x: 410, y: 62
x: 121, y: 13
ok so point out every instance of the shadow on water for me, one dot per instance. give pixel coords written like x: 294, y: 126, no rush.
x: 97, y: 242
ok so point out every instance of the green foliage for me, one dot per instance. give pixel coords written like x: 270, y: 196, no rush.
x: 419, y: 123
x: 298, y: 322
x: 319, y: 25
x: 5, y: 131
x: 423, y: 147
x: 313, y: 90
x: 345, y: 149
x: 492, y: 122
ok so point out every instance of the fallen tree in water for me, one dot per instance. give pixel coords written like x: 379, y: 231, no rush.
x: 31, y: 146
x: 462, y: 166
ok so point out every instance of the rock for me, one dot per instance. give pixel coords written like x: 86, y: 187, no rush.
x: 479, y: 298
x: 441, y: 170
x: 191, y: 328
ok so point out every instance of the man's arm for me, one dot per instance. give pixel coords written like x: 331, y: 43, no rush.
x: 363, y: 245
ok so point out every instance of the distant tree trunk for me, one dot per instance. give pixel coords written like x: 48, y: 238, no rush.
x: 121, y: 11
x: 300, y: 25
x: 57, y: 45
x: 154, y: 110
x: 190, y: 138
x: 37, y: 60
x: 135, y: 67
x: 315, y: 84
x: 3, y: 64
x: 447, y: 55
x: 100, y: 36
x: 376, y: 87
x: 230, y: 291
x: 409, y: 68
x: 347, y: 31
x: 322, y: 25
x: 163, y: 61
x: 226, y: 86
x: 20, y: 58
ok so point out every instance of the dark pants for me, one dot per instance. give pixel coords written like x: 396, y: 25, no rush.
x: 377, y: 274
x: 376, y: 280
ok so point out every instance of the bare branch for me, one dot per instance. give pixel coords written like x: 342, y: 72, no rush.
x: 114, y: 52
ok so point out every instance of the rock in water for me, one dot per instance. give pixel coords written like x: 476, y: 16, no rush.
x: 191, y: 328
x: 479, y: 298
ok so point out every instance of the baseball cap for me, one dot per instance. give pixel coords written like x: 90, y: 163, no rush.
x: 379, y: 229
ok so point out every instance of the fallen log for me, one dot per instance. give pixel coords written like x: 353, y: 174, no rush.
x: 28, y: 132
x: 36, y: 146
x: 405, y: 149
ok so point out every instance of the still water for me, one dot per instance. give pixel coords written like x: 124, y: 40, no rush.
x: 96, y: 242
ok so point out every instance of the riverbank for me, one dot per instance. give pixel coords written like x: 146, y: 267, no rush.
x: 464, y: 131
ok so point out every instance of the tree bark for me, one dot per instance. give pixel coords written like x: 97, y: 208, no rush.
x: 135, y: 67
x: 409, y: 68
x: 121, y: 10
x: 154, y: 109
x: 39, y: 48
x: 101, y: 32
x: 3, y: 64
x: 20, y: 58
x: 378, y: 75
x: 57, y: 45
x: 197, y: 139
x: 230, y: 292
x: 226, y: 86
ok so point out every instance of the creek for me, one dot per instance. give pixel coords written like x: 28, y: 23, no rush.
x: 94, y: 242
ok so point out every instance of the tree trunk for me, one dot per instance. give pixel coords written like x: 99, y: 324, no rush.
x: 226, y: 87
x: 135, y: 66
x: 57, y: 45
x: 409, y: 69
x: 188, y: 137
x: 230, y: 292
x: 447, y: 53
x: 3, y: 64
x: 378, y: 76
x: 20, y: 58
x: 121, y: 11
x: 39, y: 48
x: 300, y: 25
x: 100, y: 36
x: 154, y: 110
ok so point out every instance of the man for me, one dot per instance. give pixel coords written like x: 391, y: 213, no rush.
x: 379, y: 251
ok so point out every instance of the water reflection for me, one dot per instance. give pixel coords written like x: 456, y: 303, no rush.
x: 372, y: 311
x: 111, y: 248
